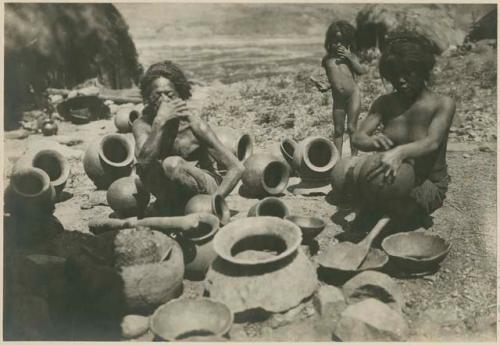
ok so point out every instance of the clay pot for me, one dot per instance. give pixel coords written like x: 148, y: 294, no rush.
x: 54, y: 164
x: 108, y: 159
x: 205, y: 203
x: 377, y: 188
x: 265, y: 175
x: 49, y: 127
x: 30, y: 193
x: 183, y: 318
x: 197, y: 247
x: 127, y: 197
x: 284, y: 152
x: 310, y: 226
x: 128, y: 271
x: 339, y: 172
x: 125, y: 118
x: 257, y: 260
x: 315, y: 157
x: 240, y: 144
x: 269, y: 206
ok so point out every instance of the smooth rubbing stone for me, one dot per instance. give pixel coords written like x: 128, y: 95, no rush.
x: 372, y: 284
x: 371, y: 320
x: 328, y: 296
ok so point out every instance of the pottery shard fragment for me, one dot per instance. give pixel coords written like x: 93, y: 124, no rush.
x: 329, y: 302
x: 372, y: 284
x: 371, y: 320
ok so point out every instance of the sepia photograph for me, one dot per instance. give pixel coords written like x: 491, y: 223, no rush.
x: 250, y: 172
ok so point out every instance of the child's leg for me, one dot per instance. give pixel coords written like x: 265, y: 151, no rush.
x: 338, y: 123
x: 353, y: 110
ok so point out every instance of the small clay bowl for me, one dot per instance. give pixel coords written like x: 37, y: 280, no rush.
x: 310, y: 226
x: 375, y: 260
x: 415, y: 252
x: 187, y: 317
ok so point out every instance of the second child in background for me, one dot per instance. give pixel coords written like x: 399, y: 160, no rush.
x: 341, y: 67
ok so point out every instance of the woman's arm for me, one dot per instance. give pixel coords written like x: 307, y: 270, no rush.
x: 219, y: 152
x: 363, y: 138
x: 436, y: 134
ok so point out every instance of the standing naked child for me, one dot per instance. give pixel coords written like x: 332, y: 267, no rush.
x: 341, y: 66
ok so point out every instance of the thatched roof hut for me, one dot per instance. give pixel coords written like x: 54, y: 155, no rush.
x: 374, y: 21
x: 62, y: 45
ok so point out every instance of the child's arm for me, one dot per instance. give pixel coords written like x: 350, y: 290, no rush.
x: 356, y: 66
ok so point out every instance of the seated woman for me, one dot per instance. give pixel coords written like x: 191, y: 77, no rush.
x: 416, y: 122
x: 175, y: 148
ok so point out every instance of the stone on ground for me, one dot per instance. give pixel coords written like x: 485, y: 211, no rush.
x: 371, y: 320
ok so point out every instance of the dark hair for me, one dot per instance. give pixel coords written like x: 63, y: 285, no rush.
x: 346, y: 30
x: 172, y: 72
x: 405, y: 51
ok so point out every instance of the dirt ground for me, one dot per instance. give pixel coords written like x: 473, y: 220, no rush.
x: 273, y: 101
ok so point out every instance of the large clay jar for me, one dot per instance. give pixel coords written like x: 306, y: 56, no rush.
x: 240, y: 144
x: 314, y: 158
x: 108, y: 159
x: 54, y: 164
x: 339, y: 175
x: 378, y: 188
x: 265, y: 175
x: 30, y: 193
x: 258, y: 258
x: 205, y: 203
x: 270, y: 206
x: 126, y: 196
x: 197, y: 247
x: 125, y: 118
x: 128, y: 271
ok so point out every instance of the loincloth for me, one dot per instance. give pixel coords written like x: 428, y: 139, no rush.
x: 431, y: 193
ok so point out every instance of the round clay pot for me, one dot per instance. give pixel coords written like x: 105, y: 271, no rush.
x: 205, y: 203
x: 198, y: 249
x: 310, y: 226
x: 339, y: 172
x: 315, y: 157
x: 125, y: 118
x: 377, y: 188
x: 30, y: 193
x: 265, y: 175
x: 49, y: 127
x: 270, y: 206
x: 129, y: 271
x: 127, y: 197
x: 257, y: 241
x: 287, y: 148
x: 240, y: 144
x: 108, y: 159
x: 183, y: 318
x: 54, y: 164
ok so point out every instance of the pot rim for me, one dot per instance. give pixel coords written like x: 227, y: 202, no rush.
x: 159, y: 310
x: 430, y: 259
x: 336, y: 269
x: 40, y: 175
x: 283, y: 181
x: 299, y: 217
x: 65, y: 167
x: 274, y: 199
x: 333, y: 159
x: 213, y: 221
x: 226, y: 213
x: 237, y: 227
x: 245, y: 137
x: 284, y: 152
x: 122, y: 139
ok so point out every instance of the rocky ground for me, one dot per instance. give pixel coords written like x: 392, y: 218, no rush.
x: 456, y: 303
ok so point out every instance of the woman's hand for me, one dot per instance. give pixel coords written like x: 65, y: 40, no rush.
x: 381, y: 142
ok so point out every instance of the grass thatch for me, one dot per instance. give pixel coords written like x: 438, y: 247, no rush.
x: 62, y: 45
